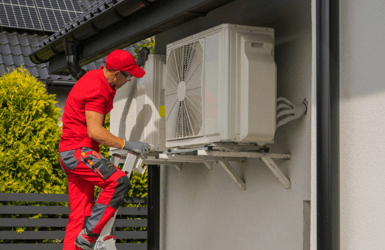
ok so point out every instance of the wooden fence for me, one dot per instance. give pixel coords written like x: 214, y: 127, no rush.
x: 7, y: 225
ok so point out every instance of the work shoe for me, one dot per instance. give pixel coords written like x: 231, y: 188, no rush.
x: 84, y: 241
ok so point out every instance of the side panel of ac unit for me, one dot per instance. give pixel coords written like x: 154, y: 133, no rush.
x: 211, y: 88
x: 138, y: 113
x: 258, y: 77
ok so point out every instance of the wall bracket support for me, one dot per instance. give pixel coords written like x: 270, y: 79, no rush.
x: 276, y: 171
x: 208, y: 156
x: 229, y: 169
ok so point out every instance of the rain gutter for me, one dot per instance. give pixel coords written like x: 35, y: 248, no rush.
x: 328, y: 99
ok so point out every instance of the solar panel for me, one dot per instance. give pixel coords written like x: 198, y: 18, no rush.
x: 48, y: 15
x: 19, y: 14
x: 55, y: 13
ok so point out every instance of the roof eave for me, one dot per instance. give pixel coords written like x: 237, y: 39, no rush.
x: 141, y: 25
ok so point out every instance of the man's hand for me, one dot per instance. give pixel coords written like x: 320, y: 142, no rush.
x: 140, y: 147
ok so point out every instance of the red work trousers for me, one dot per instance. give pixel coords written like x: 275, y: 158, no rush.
x: 82, y: 180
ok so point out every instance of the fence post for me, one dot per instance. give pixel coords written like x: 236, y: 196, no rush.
x: 153, y: 204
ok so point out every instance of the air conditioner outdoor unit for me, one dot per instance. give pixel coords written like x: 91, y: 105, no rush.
x: 138, y: 113
x: 221, y: 86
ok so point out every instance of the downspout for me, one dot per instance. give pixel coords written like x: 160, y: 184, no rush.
x: 328, y: 99
x: 72, y: 50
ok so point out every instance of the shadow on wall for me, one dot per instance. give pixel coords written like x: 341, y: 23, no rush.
x: 142, y: 119
x: 129, y: 112
x: 127, y: 105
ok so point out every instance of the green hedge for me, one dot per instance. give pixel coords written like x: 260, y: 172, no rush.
x: 29, y: 136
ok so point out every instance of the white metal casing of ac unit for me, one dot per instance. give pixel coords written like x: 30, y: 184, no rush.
x: 238, y: 86
x: 138, y: 113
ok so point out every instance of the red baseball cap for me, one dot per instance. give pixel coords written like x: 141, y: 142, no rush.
x: 123, y: 61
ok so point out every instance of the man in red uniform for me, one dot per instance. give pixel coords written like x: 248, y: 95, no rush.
x: 89, y: 101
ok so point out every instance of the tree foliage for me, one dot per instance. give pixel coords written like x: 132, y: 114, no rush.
x: 29, y: 136
x: 148, y: 43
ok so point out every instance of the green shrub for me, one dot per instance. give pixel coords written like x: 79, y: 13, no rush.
x: 149, y: 43
x: 29, y: 136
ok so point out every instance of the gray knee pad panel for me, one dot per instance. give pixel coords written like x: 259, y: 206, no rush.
x: 122, y: 189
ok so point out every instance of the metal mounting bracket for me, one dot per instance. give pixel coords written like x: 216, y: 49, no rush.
x: 266, y: 157
x: 276, y: 171
x: 177, y: 165
x: 209, y: 165
x: 229, y: 169
x: 208, y: 156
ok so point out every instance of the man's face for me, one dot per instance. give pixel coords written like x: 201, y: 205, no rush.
x: 121, y: 77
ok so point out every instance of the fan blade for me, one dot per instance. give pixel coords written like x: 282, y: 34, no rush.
x: 177, y: 63
x: 185, y: 125
x: 170, y: 103
x: 187, y: 59
x: 171, y: 85
x: 171, y: 120
x: 195, y: 104
x: 195, y: 96
x: 178, y: 60
x: 172, y: 78
x: 195, y: 60
x: 188, y: 118
x: 195, y: 79
x: 179, y: 122
x: 195, y: 116
x: 183, y: 58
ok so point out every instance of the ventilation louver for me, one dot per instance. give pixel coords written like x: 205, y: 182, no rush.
x: 184, y: 91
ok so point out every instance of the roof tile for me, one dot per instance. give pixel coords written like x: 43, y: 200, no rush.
x: 3, y: 68
x: 27, y: 50
x: 4, y: 38
x: 14, y: 51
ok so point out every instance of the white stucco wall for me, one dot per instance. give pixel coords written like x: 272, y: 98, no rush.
x: 204, y: 209
x: 362, y: 131
x: 61, y: 93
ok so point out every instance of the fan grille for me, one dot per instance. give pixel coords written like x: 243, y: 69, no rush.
x: 184, y: 114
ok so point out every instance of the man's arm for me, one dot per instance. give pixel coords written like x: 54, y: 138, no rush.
x: 97, y: 132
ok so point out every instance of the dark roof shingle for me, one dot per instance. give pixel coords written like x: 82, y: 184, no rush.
x: 15, y: 48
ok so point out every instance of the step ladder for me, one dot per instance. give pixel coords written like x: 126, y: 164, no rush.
x: 132, y: 163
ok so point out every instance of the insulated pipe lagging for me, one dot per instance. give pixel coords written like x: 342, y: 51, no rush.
x: 72, y: 50
x: 289, y: 114
x: 284, y: 106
